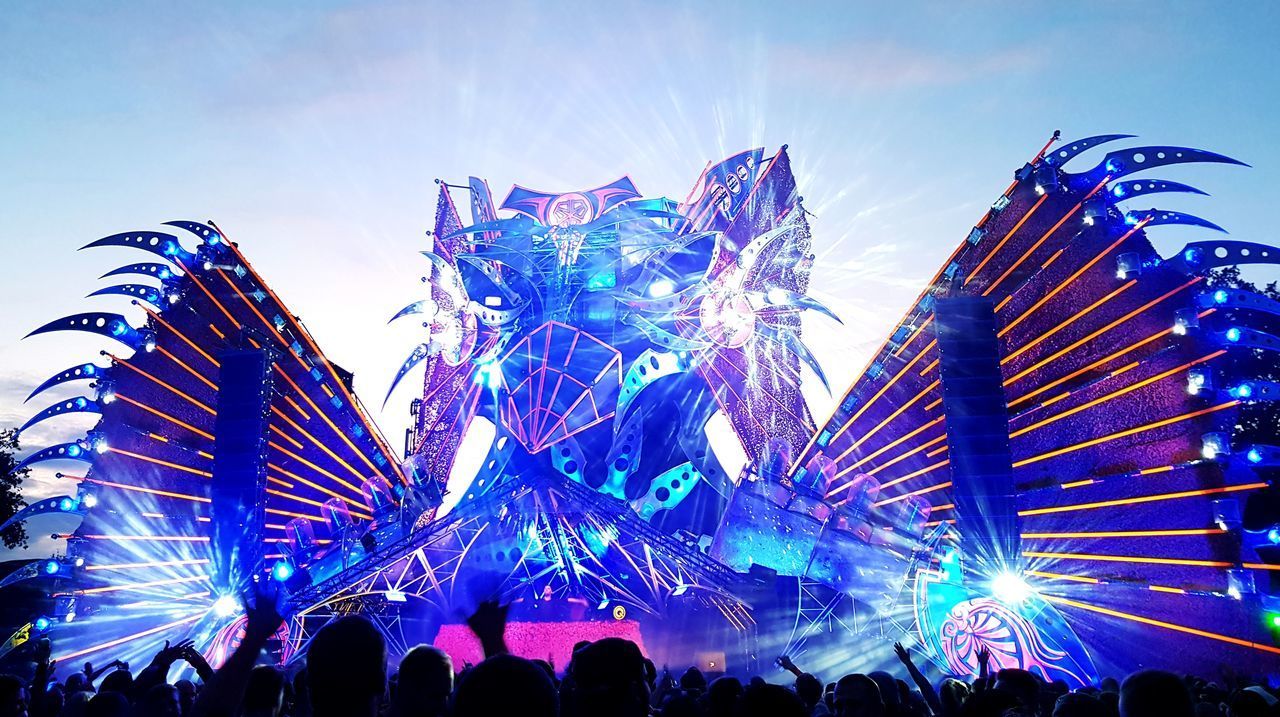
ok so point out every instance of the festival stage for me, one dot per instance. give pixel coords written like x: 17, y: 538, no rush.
x: 1044, y: 459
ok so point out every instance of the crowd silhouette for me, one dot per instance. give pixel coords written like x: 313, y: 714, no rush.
x: 346, y: 675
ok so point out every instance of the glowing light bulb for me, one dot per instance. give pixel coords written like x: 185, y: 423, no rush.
x: 661, y: 287
x: 1010, y: 588
x: 225, y: 606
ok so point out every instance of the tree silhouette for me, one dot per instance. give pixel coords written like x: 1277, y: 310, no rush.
x: 11, y: 489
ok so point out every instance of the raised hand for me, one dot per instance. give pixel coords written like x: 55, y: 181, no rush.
x: 785, y: 662
x: 902, y: 653
x: 195, y: 658
x: 489, y: 622
x: 170, y: 654
x: 262, y: 611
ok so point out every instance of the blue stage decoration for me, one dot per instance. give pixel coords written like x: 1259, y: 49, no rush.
x: 583, y: 342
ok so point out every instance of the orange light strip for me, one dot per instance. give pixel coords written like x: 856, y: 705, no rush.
x: 341, y: 434
x: 1115, y: 394
x: 1067, y: 322
x: 1162, y: 624
x: 1144, y: 559
x: 288, y: 514
x: 915, y: 474
x: 1125, y: 534
x: 166, y: 353
x: 312, y: 466
x: 327, y: 491
x: 123, y: 640
x: 160, y: 320
x: 897, y: 412
x: 906, y: 437
x: 306, y: 335
x: 159, y: 462
x: 276, y: 429
x: 1095, y: 334
x: 151, y: 564
x: 293, y: 424
x: 141, y: 586
x: 1060, y: 576
x: 165, y: 416
x: 888, y: 385
x: 1005, y: 239
x: 215, y: 330
x: 152, y: 491
x: 1084, y: 369
x: 209, y: 294
x: 1163, y: 589
x: 1045, y: 299
x: 922, y: 491
x: 289, y: 399
x: 1045, y: 236
x: 1141, y: 499
x: 121, y: 362
x: 908, y: 454
x: 1122, y: 434
x: 1260, y: 566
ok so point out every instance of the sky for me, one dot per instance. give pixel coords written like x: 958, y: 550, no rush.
x: 313, y: 132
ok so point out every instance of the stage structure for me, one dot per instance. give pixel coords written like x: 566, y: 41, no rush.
x: 1038, y: 460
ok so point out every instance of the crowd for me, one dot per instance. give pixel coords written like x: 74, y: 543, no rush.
x: 346, y: 676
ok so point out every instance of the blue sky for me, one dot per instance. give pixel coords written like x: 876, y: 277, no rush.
x: 312, y: 132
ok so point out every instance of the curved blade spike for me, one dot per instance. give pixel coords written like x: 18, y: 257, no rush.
x: 783, y: 299
x: 661, y: 336
x: 515, y: 225
x: 496, y: 317
x: 746, y: 259
x: 1138, y: 187
x: 485, y: 267
x: 81, y: 372
x: 792, y: 342
x: 1161, y: 216
x: 420, y: 353
x: 625, y: 214
x: 1123, y: 162
x: 112, y: 326
x: 149, y: 294
x: 1070, y: 150
x: 162, y: 272
x: 425, y: 306
x: 61, y: 452
x: 54, y: 504
x: 204, y: 231
x: 79, y: 404
x: 663, y: 304
x: 1203, y: 255
x: 158, y: 243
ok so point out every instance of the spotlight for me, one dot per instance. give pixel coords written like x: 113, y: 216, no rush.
x: 226, y: 606
x: 52, y: 567
x: 88, y: 500
x: 1255, y: 456
x: 1010, y: 588
x: 1214, y: 445
x: 66, y: 504
x: 1274, y: 620
x: 1233, y: 334
x: 1220, y: 296
x: 1244, y: 390
x: 281, y: 571
x: 661, y: 287
x: 395, y: 596
x: 1273, y: 535
x: 42, y: 623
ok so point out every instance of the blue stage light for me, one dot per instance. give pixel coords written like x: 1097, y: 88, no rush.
x: 43, y: 623
x: 1244, y: 390
x: 1191, y: 256
x: 51, y: 567
x: 118, y: 328
x: 226, y: 606
x: 88, y: 500
x: 66, y: 504
x: 1233, y: 334
x: 73, y: 451
x: 1254, y: 455
x: 213, y: 238
x: 1010, y: 588
x: 281, y: 571
x: 1273, y: 535
x: 1220, y: 296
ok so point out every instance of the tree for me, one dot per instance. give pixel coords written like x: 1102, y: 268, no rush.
x: 11, y: 489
